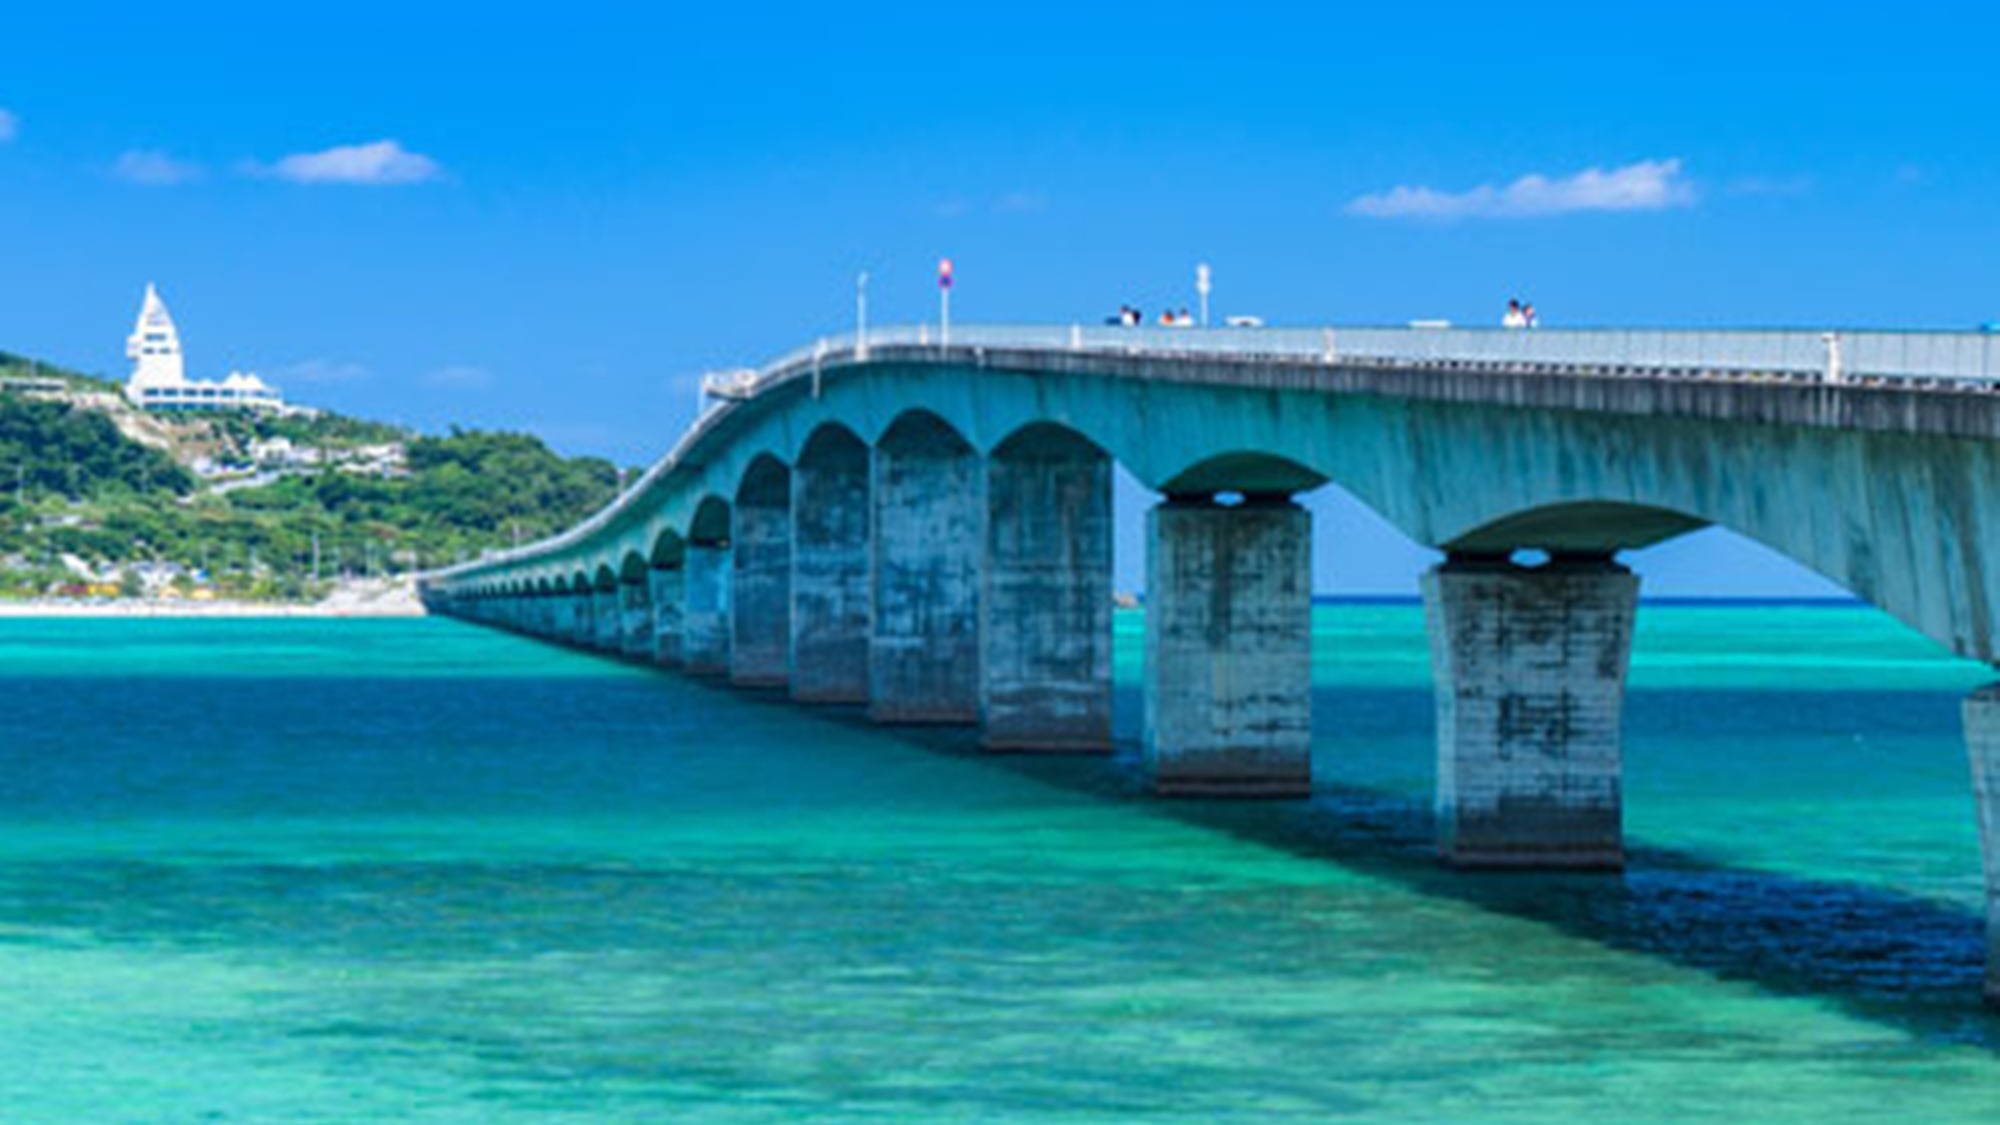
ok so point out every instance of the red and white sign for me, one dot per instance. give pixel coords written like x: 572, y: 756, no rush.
x: 944, y: 273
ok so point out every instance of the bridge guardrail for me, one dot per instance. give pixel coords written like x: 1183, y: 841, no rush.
x: 1921, y: 358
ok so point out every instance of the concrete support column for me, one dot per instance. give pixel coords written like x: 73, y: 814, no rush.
x: 1229, y: 648
x: 1046, y: 660
x: 705, y: 623
x: 760, y: 651
x: 636, y: 633
x: 1982, y: 741
x: 608, y: 616
x: 1529, y: 667
x: 583, y: 619
x: 669, y: 592
x: 930, y: 514
x: 831, y: 573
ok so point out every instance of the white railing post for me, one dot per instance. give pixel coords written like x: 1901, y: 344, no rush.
x: 1833, y: 373
x: 1076, y: 337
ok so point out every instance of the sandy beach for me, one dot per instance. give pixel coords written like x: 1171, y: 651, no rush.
x: 359, y: 600
x: 136, y: 608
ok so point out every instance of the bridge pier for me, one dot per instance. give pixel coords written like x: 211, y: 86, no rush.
x: 831, y: 576
x: 636, y: 600
x: 1046, y: 660
x: 930, y: 511
x: 705, y: 621
x: 1229, y: 647
x: 669, y: 591
x: 761, y: 590
x: 1982, y: 740
x: 608, y: 615
x: 582, y: 619
x: 1529, y: 665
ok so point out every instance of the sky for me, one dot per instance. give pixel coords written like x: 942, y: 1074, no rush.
x: 555, y: 218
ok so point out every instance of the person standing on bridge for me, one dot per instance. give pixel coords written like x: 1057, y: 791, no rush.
x: 1515, y: 318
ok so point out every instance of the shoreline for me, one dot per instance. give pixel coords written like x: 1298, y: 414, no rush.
x: 219, y: 609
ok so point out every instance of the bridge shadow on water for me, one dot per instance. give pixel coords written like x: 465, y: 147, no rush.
x: 1899, y: 960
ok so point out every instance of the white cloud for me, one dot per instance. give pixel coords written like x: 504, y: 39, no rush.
x: 1770, y: 185
x: 10, y: 126
x: 320, y: 371
x: 155, y: 169
x: 378, y: 162
x: 1649, y: 185
x: 460, y: 376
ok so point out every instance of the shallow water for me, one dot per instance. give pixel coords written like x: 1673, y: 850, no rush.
x: 416, y: 871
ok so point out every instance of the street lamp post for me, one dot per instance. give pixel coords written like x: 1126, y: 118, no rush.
x: 861, y: 315
x: 1202, y: 284
x: 944, y: 302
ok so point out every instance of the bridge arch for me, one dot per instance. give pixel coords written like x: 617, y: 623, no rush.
x: 1578, y: 526
x: 669, y: 549
x: 766, y: 482
x: 1246, y: 472
x: 919, y: 432
x: 711, y: 523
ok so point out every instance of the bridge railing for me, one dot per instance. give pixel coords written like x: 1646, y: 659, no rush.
x: 1920, y: 358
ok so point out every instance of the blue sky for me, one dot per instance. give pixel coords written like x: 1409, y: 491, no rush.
x: 555, y: 219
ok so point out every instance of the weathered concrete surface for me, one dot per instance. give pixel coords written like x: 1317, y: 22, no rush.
x: 608, y: 615
x: 1229, y: 649
x: 705, y: 625
x: 583, y: 619
x: 761, y: 581
x: 1529, y: 667
x: 930, y: 514
x: 636, y: 613
x: 831, y: 571
x: 1982, y: 740
x: 1046, y: 665
x: 669, y: 594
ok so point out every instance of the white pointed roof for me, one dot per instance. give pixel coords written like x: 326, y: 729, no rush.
x: 155, y: 345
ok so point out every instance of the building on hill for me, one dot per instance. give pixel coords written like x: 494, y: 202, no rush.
x: 159, y: 375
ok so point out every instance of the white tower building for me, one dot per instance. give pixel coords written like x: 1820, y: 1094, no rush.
x: 159, y: 375
x: 155, y: 348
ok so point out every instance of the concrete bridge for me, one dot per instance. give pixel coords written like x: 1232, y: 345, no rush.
x: 923, y: 526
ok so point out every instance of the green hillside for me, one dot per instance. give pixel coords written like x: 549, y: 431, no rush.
x: 72, y: 484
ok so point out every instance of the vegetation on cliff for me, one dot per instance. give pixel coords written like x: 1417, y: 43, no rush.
x: 75, y: 489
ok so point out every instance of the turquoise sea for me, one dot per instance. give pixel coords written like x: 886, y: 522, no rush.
x: 417, y: 871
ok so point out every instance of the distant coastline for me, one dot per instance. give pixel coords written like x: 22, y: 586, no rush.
x: 209, y: 609
x: 362, y: 598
